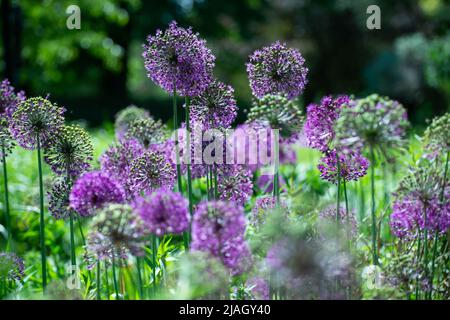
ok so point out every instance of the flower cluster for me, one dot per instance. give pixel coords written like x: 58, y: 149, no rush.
x: 9, y: 99
x: 234, y: 183
x: 328, y: 215
x: 127, y: 115
x: 352, y: 166
x: 218, y: 228
x: 437, y: 136
x: 263, y: 206
x: 146, y: 131
x: 277, y: 69
x: 58, y: 199
x: 179, y: 61
x: 12, y: 267
x: 259, y: 288
x: 6, y: 141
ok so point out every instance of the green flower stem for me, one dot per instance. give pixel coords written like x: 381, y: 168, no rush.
x: 98, y: 280
x: 188, y: 164
x: 338, y: 192
x: 72, y: 243
x: 139, y: 272
x: 216, y: 192
x: 106, y: 280
x: 42, y: 220
x: 6, y: 207
x: 175, y: 127
x: 116, y: 286
x: 276, y: 187
x: 154, y: 261
x: 374, y: 220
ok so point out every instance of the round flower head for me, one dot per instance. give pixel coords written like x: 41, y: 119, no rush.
x: 146, y: 131
x: 9, y: 99
x: 328, y: 215
x: 92, y: 191
x: 163, y: 212
x: 437, y: 136
x: 320, y: 121
x: 352, y: 166
x: 125, y: 116
x: 70, y: 152
x: 234, y: 183
x: 58, y: 199
x: 178, y: 60
x: 215, y: 107
x: 6, y: 141
x: 12, y: 267
x: 277, y: 112
x: 121, y: 227
x: 277, y: 69
x: 372, y: 121
x: 149, y: 172
x: 218, y: 228
x: 33, y: 118
x: 263, y: 206
x: 259, y: 288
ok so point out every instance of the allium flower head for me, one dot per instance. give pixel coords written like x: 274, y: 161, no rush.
x: 277, y: 112
x: 352, y: 166
x: 92, y: 191
x: 121, y: 227
x: 215, y: 107
x: 146, y: 131
x: 437, y: 136
x: 263, y: 206
x: 125, y: 116
x: 328, y: 215
x: 372, y: 121
x: 277, y: 69
x: 259, y: 288
x: 163, y: 212
x: 70, y: 151
x: 177, y: 59
x: 12, y: 267
x: 149, y: 172
x: 58, y: 199
x: 218, y: 228
x: 36, y: 117
x: 234, y: 183
x: 6, y: 141
x: 320, y: 121
x: 9, y: 99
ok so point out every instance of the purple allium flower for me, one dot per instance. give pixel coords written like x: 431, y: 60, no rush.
x: 320, y: 121
x: 70, y: 151
x: 163, y: 212
x: 146, y: 131
x: 277, y: 112
x: 122, y: 228
x: 92, y: 191
x: 437, y: 137
x: 372, y: 121
x: 277, y: 69
x: 218, y: 228
x: 259, y: 288
x: 149, y: 172
x: 6, y: 141
x: 215, y: 107
x: 262, y: 207
x: 36, y: 117
x: 12, y: 267
x: 265, y: 183
x: 352, y: 166
x: 9, y: 99
x: 116, y: 161
x: 328, y: 215
x: 125, y: 116
x: 58, y: 199
x: 234, y: 183
x: 178, y: 60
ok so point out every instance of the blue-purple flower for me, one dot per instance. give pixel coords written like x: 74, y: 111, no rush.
x: 12, y: 267
x: 9, y: 99
x: 234, y: 183
x: 352, y: 166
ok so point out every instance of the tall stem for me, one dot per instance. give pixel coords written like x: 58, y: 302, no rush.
x: 175, y: 127
x: 216, y: 191
x: 188, y: 164
x: 116, y: 287
x: 7, y: 215
x: 154, y: 261
x: 338, y: 193
x: 98, y: 280
x: 107, y: 281
x: 42, y: 221
x: 374, y: 220
x: 72, y: 243
x: 139, y: 272
x: 276, y: 181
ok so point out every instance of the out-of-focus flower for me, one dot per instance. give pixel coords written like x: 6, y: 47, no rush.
x: 234, y: 183
x: 12, y: 267
x: 125, y: 116
x: 218, y: 228
x: 320, y: 121
x: 259, y: 288
x: 352, y: 166
x: 33, y: 118
x: 6, y: 141
x: 58, y: 199
x: 328, y: 215
x: 277, y: 69
x: 149, y: 172
x: 163, y: 212
x: 146, y: 131
x: 92, y: 191
x: 437, y: 137
x: 263, y: 206
x: 178, y: 60
x: 70, y: 151
x: 9, y: 99
x: 215, y: 107
x: 265, y: 183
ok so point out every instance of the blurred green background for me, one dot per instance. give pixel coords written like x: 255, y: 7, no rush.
x: 99, y: 69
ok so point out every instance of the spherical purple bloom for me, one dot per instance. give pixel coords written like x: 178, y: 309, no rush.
x: 58, y: 199
x: 218, y: 228
x: 146, y: 131
x: 149, y: 172
x: 93, y: 190
x: 259, y: 288
x: 163, y: 212
x: 234, y: 183
x: 12, y: 268
x: 33, y: 118
x: 329, y: 215
x: 277, y: 69
x: 178, y: 60
x: 320, y: 121
x: 9, y: 99
x: 262, y: 207
x: 125, y: 116
x: 352, y: 166
x: 215, y: 107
